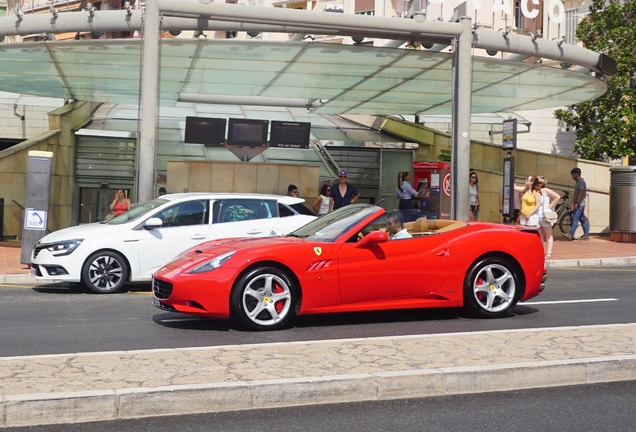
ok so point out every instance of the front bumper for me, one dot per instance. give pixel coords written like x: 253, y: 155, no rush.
x: 66, y: 268
x: 205, y: 294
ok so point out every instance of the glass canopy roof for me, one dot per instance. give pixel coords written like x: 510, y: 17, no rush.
x: 347, y: 79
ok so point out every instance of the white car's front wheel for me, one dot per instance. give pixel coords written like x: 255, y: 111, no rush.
x: 105, y: 272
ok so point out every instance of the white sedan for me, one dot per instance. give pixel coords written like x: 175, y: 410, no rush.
x: 132, y: 246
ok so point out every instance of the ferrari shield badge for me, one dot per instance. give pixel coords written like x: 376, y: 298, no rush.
x: 318, y: 250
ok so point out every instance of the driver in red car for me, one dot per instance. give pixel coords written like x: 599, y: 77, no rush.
x: 395, y: 226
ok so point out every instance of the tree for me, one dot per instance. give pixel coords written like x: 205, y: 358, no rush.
x: 606, y: 126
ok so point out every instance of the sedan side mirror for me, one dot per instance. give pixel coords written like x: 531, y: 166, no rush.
x: 374, y: 237
x: 153, y: 223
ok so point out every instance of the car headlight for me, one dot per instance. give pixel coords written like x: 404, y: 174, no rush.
x: 213, y: 264
x: 64, y: 247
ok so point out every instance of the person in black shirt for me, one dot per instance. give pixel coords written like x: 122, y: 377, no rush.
x: 342, y: 193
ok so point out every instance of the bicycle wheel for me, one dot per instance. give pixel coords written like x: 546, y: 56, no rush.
x: 565, y: 224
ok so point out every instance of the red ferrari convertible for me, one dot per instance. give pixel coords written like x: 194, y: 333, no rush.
x: 343, y: 262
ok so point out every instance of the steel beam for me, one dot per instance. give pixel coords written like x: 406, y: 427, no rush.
x: 461, y: 110
x: 249, y: 100
x: 218, y: 16
x: 524, y: 45
x: 356, y: 24
x: 147, y: 152
x: 67, y: 22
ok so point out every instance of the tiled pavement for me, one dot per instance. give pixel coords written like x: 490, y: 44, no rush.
x: 104, y: 386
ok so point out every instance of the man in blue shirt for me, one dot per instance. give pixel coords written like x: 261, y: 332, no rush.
x: 342, y: 193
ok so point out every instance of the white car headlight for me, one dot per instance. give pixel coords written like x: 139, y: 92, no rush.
x: 64, y: 247
x: 213, y: 264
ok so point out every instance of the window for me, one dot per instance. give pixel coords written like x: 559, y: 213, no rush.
x: 302, y: 209
x: 571, y: 22
x: 368, y: 12
x: 377, y: 224
x: 518, y: 16
x: 236, y: 210
x: 137, y: 212
x: 185, y: 214
x: 331, y: 226
x: 285, y: 211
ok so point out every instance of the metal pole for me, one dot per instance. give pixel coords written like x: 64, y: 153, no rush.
x: 149, y: 91
x: 462, y: 97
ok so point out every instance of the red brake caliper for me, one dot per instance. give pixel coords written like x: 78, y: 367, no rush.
x: 480, y: 295
x: 280, y: 303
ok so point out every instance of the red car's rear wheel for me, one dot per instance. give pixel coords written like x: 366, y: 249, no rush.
x: 264, y: 299
x: 492, y: 288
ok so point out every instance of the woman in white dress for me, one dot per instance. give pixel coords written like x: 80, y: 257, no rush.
x: 321, y: 205
x: 473, y: 195
x: 549, y: 200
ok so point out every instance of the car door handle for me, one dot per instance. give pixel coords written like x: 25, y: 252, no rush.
x: 198, y: 237
x: 254, y: 232
x: 442, y: 252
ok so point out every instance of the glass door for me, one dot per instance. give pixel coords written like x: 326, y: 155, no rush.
x: 95, y: 203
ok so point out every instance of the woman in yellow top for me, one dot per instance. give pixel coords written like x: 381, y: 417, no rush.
x: 530, y: 202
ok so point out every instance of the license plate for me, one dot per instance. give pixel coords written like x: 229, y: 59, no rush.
x: 155, y: 302
x: 34, y: 272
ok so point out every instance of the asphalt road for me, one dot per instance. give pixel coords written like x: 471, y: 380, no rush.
x: 59, y: 319
x: 599, y: 408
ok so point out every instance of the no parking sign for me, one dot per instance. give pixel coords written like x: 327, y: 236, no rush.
x: 446, y: 185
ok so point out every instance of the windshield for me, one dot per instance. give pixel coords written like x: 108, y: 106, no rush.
x: 137, y: 212
x: 331, y: 226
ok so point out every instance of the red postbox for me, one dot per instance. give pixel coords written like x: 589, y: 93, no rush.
x: 433, y: 180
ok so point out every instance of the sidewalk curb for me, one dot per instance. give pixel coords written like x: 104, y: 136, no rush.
x: 127, y: 403
x: 18, y: 279
x: 591, y: 262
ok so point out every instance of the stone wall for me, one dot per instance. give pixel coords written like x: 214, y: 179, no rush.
x: 12, y: 127
x: 60, y: 140
x: 247, y: 177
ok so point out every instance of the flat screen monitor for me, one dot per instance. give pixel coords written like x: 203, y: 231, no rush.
x: 205, y: 130
x: 289, y: 134
x: 251, y: 133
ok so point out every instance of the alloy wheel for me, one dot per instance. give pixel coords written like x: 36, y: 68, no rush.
x: 105, y: 273
x: 267, y: 299
x: 494, y: 288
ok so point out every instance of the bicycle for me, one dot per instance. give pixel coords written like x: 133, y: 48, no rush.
x: 566, y: 214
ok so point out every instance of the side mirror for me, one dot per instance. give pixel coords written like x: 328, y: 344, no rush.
x: 153, y: 223
x: 374, y: 237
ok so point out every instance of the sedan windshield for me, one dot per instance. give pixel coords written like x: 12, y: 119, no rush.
x: 137, y: 212
x: 331, y: 226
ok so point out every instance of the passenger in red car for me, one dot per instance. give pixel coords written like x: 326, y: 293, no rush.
x: 395, y: 226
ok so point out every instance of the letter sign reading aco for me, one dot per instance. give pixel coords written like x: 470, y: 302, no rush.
x: 529, y: 8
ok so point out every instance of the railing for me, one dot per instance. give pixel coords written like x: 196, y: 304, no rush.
x: 90, y: 213
x: 327, y: 159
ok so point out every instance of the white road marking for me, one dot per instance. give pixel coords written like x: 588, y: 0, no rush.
x: 570, y: 301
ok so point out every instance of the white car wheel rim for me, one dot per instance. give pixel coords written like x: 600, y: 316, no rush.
x: 494, y: 288
x: 266, y: 299
x: 105, y: 272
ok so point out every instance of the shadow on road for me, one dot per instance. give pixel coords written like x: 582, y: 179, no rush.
x: 76, y: 288
x: 186, y: 322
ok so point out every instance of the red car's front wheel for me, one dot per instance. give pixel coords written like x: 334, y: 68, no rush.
x: 264, y: 299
